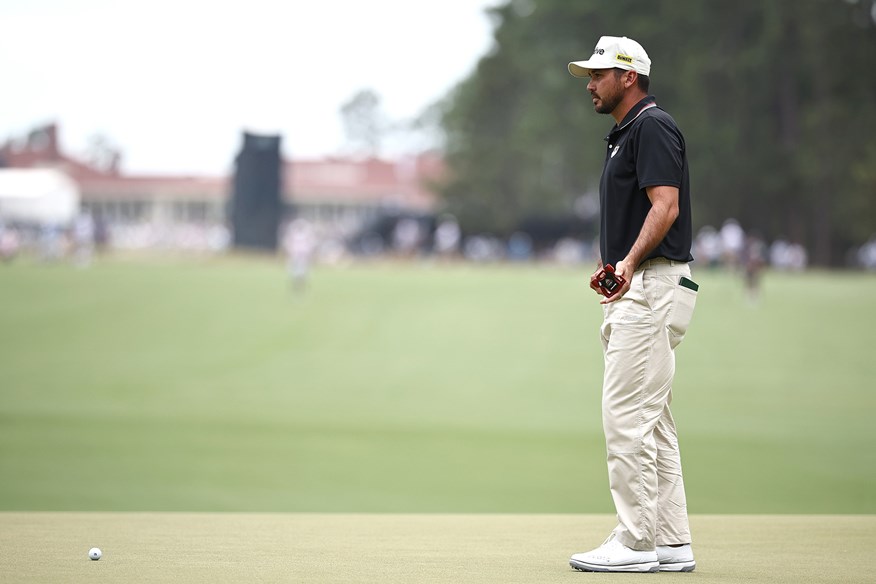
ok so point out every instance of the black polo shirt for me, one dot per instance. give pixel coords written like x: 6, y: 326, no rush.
x: 646, y: 149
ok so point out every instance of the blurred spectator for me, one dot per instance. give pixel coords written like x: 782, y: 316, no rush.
x: 9, y: 243
x: 299, y: 243
x: 788, y: 256
x: 754, y: 258
x: 447, y: 236
x: 779, y: 256
x: 519, y: 246
x: 101, y: 234
x: 406, y: 237
x: 708, y: 248
x: 83, y: 239
x: 569, y: 251
x: 798, y: 259
x: 52, y: 243
x: 218, y: 238
x: 331, y: 250
x: 732, y: 243
x: 482, y: 248
x: 867, y: 254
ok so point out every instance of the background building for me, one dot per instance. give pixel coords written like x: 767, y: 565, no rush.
x: 337, y: 194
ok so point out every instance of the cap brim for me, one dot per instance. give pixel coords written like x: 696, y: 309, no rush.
x: 583, y: 68
x: 579, y: 68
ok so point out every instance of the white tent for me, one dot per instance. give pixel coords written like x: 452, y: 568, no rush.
x: 41, y: 196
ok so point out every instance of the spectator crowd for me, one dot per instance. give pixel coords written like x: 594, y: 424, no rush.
x: 439, y: 237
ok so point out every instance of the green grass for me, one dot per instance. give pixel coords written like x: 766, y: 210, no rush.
x: 179, y: 385
x: 422, y: 548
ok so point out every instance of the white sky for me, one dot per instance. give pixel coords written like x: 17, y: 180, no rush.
x: 164, y: 79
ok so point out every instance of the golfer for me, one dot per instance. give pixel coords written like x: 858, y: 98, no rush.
x: 645, y: 234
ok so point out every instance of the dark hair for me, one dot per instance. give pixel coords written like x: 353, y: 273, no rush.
x: 644, y: 82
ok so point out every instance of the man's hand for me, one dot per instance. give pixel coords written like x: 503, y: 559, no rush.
x: 593, y: 285
x: 625, y: 272
x: 664, y: 211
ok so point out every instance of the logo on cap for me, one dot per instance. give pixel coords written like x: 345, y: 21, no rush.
x: 625, y: 58
x: 598, y: 51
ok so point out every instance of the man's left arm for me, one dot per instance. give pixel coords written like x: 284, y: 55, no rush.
x: 664, y: 210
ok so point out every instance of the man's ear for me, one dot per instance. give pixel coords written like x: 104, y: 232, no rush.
x: 630, y: 79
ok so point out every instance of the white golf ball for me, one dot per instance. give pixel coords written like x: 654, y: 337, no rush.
x: 94, y: 553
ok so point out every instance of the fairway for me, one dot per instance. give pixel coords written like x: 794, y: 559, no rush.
x: 400, y: 549
x: 184, y: 385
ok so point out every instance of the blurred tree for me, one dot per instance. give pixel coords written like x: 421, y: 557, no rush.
x: 424, y: 132
x: 774, y: 99
x: 102, y: 154
x: 364, y: 122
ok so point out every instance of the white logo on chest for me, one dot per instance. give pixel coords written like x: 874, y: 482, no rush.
x: 613, y: 152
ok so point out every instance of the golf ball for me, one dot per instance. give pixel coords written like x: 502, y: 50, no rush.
x: 94, y: 553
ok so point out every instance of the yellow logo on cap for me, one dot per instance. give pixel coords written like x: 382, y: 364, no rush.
x: 625, y: 58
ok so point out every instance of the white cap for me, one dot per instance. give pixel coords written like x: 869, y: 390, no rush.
x: 614, y: 52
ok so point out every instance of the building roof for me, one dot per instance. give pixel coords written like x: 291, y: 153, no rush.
x: 372, y: 180
x: 157, y: 187
x: 346, y: 181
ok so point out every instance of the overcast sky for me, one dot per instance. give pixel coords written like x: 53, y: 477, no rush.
x: 173, y: 82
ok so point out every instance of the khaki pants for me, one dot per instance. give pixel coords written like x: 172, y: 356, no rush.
x: 639, y: 335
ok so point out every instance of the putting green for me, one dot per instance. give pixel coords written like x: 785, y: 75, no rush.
x: 322, y: 548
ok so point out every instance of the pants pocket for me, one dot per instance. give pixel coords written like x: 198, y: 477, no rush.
x: 683, y: 302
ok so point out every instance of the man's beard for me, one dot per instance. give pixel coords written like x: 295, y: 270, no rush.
x: 608, y: 103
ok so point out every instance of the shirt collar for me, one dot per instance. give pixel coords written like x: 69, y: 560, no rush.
x: 645, y: 102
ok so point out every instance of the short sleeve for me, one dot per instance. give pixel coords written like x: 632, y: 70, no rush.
x: 660, y: 154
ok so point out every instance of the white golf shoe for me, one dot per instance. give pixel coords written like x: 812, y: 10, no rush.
x: 613, y: 556
x: 676, y: 559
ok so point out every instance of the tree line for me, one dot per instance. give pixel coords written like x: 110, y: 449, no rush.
x: 776, y: 100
